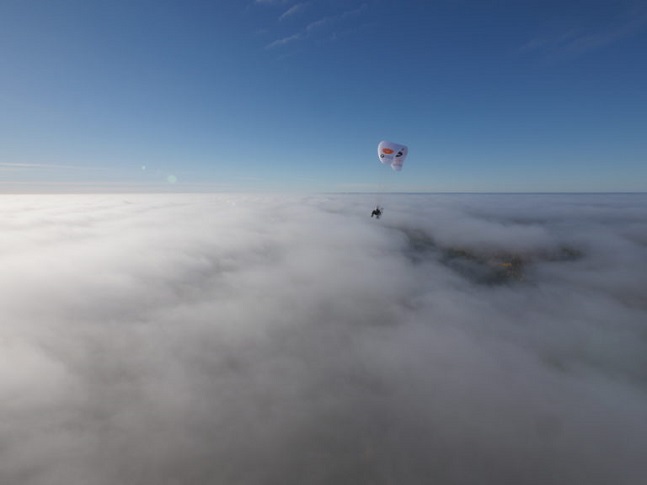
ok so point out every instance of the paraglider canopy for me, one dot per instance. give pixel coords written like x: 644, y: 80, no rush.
x: 392, y: 154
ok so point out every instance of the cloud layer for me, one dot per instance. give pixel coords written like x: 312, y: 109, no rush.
x: 179, y: 339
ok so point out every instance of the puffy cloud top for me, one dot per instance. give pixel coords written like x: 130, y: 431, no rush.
x: 247, y: 339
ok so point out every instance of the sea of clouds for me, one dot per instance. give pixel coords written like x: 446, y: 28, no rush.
x: 261, y: 339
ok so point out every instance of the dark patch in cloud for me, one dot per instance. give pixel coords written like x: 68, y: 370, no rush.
x: 484, y: 267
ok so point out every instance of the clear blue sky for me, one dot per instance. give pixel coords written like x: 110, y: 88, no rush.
x: 295, y: 95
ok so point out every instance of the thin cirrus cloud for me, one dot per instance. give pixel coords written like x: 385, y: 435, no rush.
x: 307, y: 32
x: 223, y: 338
x: 283, y: 41
x: 8, y: 166
x: 293, y: 10
x: 580, y: 39
x: 314, y: 27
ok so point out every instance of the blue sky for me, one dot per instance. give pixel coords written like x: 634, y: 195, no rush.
x: 244, y: 95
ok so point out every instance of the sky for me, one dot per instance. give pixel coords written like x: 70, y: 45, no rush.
x: 293, y: 96
x: 462, y: 339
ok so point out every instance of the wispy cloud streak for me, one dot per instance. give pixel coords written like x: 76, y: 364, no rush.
x: 580, y: 40
x: 284, y: 41
x: 299, y: 7
x: 317, y: 26
x: 32, y: 166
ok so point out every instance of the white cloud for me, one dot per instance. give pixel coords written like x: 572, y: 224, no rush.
x: 264, y: 339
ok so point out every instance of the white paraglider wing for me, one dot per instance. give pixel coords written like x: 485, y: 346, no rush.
x: 392, y: 154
